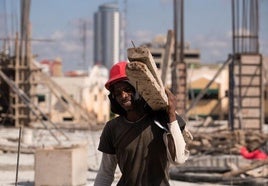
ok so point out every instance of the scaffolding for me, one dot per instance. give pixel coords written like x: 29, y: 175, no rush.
x: 19, y: 78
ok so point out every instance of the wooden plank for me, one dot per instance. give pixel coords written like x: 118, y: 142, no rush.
x: 142, y: 79
x: 143, y: 75
x: 244, y: 169
x: 167, y: 55
x: 14, y: 149
x: 251, y: 59
x: 249, y: 102
x: 250, y: 70
x: 143, y: 54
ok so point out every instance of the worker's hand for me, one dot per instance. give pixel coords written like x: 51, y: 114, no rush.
x: 171, y: 109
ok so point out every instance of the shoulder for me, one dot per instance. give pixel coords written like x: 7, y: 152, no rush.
x: 110, y: 128
x: 114, y: 123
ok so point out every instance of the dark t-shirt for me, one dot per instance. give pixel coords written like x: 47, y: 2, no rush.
x: 140, y: 151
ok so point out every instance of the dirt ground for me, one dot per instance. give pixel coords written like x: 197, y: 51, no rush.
x: 39, y: 137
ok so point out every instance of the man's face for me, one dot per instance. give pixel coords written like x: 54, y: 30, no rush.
x: 123, y: 92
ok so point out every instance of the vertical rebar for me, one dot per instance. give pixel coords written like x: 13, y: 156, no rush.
x: 231, y: 75
x: 175, y: 58
x: 18, y: 157
x: 182, y: 33
x: 245, y: 25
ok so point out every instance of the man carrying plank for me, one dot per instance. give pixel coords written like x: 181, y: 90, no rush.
x: 141, y: 141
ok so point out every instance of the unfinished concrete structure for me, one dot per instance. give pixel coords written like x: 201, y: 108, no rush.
x: 19, y: 77
x: 246, y: 100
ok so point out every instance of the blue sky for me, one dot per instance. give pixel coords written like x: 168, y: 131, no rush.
x: 207, y: 27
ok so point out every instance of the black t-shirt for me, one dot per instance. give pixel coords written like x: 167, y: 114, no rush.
x: 140, y: 151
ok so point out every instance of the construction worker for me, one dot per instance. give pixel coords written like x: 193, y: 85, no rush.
x: 142, y: 142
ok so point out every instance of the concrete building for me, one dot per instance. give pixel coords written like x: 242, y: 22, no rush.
x: 107, y: 35
x: 215, y: 102
x: 52, y: 67
x: 157, y: 49
x: 88, y: 91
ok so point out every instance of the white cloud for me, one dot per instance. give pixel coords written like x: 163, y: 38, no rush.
x: 243, y: 31
x: 58, y: 35
x: 213, y: 47
x: 67, y: 44
x: 70, y: 46
x: 215, y: 44
x: 216, y: 48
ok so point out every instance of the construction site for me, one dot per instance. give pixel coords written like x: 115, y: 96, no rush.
x: 37, y: 149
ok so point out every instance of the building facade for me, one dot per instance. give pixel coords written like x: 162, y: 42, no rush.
x: 107, y: 35
x: 157, y: 49
x: 87, y: 91
x: 214, y: 103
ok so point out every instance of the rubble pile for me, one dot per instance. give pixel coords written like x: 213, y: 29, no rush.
x: 225, y: 142
x: 216, y: 155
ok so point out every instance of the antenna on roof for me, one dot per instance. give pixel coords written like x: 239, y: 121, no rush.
x: 133, y: 44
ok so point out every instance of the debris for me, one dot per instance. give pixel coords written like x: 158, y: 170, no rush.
x: 243, y: 170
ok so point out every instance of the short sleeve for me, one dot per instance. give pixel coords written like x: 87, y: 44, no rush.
x: 106, y: 141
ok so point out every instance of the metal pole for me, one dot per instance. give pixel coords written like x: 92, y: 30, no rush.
x: 183, y: 85
x: 231, y: 75
x: 18, y: 157
x: 182, y: 33
x: 174, y: 64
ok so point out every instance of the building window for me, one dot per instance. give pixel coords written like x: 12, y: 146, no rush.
x: 68, y: 118
x: 191, y: 56
x: 210, y: 94
x: 157, y: 55
x: 41, y: 98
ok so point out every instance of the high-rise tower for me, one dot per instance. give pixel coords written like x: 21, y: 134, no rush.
x: 107, y: 35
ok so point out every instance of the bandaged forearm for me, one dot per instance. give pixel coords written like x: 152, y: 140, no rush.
x: 181, y: 153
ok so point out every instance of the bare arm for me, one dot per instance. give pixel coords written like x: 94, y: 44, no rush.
x: 105, y: 175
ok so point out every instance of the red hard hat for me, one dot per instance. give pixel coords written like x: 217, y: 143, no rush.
x: 117, y: 72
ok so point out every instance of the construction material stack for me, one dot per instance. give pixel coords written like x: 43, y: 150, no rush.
x: 143, y: 75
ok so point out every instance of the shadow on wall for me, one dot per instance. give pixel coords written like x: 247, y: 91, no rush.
x: 26, y: 183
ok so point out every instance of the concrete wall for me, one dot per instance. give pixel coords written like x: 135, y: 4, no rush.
x: 61, y: 166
